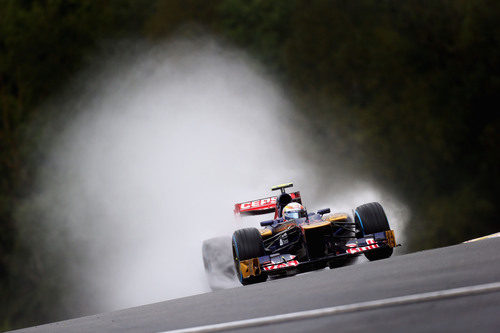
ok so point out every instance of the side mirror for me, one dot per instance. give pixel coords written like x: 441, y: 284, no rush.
x: 324, y: 211
x: 266, y: 223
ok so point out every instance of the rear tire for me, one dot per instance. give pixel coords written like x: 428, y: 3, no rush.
x: 248, y: 244
x: 370, y: 218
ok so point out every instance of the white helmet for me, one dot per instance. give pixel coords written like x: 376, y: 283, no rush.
x: 294, y: 210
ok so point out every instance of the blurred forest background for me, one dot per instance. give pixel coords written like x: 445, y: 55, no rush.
x: 412, y: 88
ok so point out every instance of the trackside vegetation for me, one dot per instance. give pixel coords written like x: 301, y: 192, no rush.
x: 410, y: 87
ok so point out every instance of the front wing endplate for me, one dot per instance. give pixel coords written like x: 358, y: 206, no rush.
x: 250, y: 267
x: 391, y: 239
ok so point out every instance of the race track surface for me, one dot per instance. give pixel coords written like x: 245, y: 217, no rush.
x: 462, y: 265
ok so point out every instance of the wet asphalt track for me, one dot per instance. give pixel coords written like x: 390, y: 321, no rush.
x: 439, y: 269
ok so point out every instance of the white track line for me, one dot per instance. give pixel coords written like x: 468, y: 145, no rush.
x: 496, y: 235
x: 424, y: 297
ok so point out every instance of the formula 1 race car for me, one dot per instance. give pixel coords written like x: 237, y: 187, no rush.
x: 286, y: 246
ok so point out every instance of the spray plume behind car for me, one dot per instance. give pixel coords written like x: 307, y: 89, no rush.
x: 163, y: 140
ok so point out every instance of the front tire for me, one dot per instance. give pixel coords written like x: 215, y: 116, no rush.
x: 248, y: 244
x: 369, y: 219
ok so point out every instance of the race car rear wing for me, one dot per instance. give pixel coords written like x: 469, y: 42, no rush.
x: 261, y: 206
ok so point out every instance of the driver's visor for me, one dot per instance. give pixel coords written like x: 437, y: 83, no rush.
x: 295, y: 214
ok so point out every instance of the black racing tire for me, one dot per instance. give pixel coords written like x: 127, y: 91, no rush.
x: 248, y: 244
x: 370, y: 218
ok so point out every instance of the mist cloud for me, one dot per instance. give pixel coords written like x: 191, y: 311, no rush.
x: 163, y: 142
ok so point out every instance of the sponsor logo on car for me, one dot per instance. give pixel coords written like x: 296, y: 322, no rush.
x: 258, y: 203
x: 362, y: 248
x: 282, y: 265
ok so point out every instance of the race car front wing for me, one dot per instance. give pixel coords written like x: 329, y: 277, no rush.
x: 279, y: 263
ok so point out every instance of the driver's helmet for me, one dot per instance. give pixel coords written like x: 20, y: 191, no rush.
x: 294, y: 210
